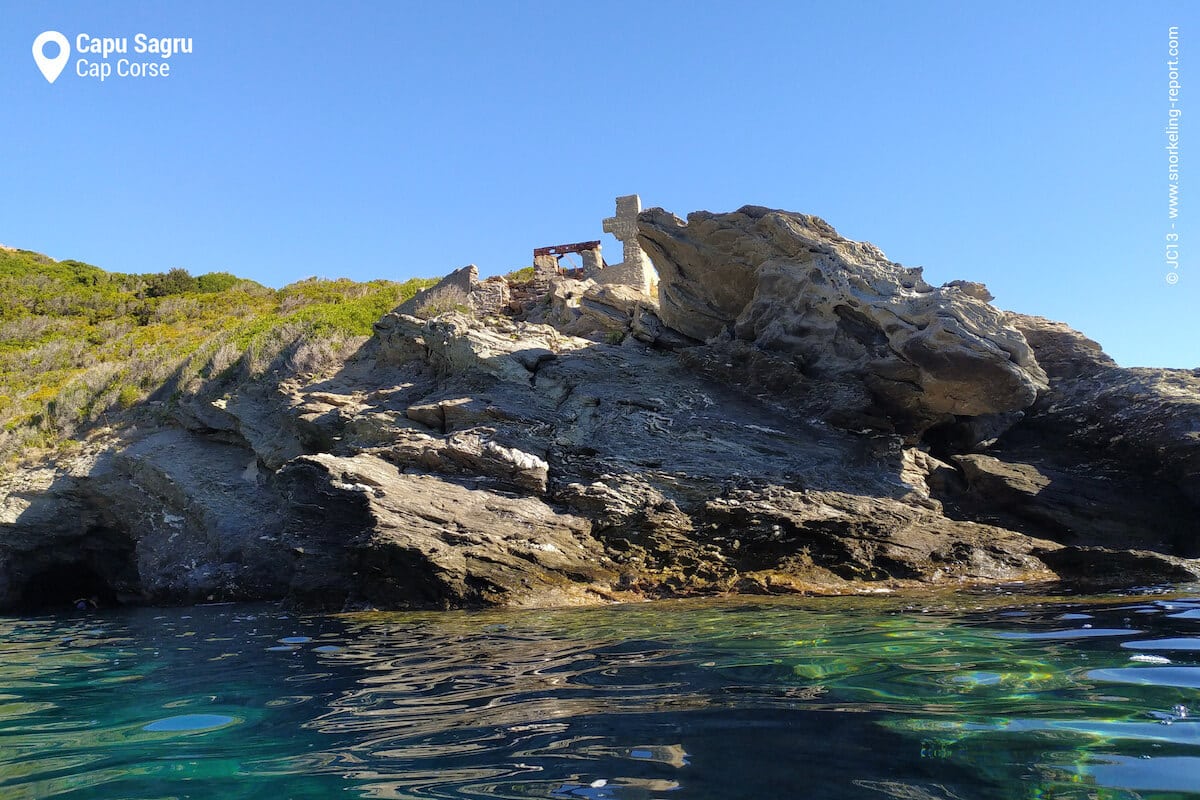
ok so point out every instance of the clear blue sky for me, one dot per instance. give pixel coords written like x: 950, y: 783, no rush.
x: 1018, y: 144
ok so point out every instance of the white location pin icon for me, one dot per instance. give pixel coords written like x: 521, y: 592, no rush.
x: 51, y: 67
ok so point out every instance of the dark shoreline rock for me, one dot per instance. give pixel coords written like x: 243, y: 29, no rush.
x: 797, y: 414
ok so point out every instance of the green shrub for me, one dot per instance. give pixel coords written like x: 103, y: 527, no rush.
x: 522, y: 275
x: 443, y: 301
x: 174, y: 281
x: 213, y: 282
x: 128, y: 396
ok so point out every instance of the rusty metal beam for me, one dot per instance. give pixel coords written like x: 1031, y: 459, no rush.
x: 563, y: 249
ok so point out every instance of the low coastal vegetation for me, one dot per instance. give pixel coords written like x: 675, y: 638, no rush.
x: 81, y: 346
x: 522, y: 275
x: 450, y: 298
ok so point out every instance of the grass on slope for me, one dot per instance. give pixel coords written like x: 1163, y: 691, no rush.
x: 79, y: 345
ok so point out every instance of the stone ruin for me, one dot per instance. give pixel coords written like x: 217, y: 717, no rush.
x: 634, y: 279
x: 635, y: 271
x: 461, y: 287
x: 547, y: 262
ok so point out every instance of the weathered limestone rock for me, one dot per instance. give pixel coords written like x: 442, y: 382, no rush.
x: 565, y: 297
x: 1062, y: 352
x: 253, y: 413
x: 1107, y: 457
x: 452, y: 414
x: 805, y: 538
x: 52, y: 531
x: 788, y: 282
x: 456, y: 343
x: 1104, y: 505
x: 168, y: 518
x: 613, y: 306
x: 473, y: 455
x: 204, y: 527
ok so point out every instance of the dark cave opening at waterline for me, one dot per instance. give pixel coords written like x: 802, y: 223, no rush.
x: 96, y: 570
x: 59, y: 586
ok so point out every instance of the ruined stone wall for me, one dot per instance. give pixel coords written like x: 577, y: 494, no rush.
x: 593, y: 263
x: 490, y: 296
x: 461, y: 286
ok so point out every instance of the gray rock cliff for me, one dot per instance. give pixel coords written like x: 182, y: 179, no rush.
x: 791, y: 413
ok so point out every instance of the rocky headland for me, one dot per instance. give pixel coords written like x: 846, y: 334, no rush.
x: 784, y: 411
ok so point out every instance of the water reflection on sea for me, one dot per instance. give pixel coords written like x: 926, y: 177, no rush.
x: 981, y: 696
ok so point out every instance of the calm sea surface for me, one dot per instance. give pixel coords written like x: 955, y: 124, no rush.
x: 984, y: 695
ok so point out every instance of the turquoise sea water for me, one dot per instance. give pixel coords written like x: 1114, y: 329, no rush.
x: 947, y: 698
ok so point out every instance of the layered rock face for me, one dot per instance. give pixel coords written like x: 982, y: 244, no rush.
x: 1103, y: 456
x: 792, y: 413
x: 1147, y: 418
x: 787, y: 283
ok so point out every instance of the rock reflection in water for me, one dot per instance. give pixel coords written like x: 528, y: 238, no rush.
x: 843, y: 698
x: 451, y: 715
x: 568, y: 705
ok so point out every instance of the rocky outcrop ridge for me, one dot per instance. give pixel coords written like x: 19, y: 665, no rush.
x: 1147, y: 418
x: 793, y: 412
x: 841, y: 311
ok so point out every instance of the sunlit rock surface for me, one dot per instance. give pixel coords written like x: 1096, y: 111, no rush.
x: 792, y: 412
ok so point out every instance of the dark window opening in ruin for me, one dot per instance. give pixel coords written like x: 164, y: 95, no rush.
x: 570, y: 268
x: 59, y: 587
